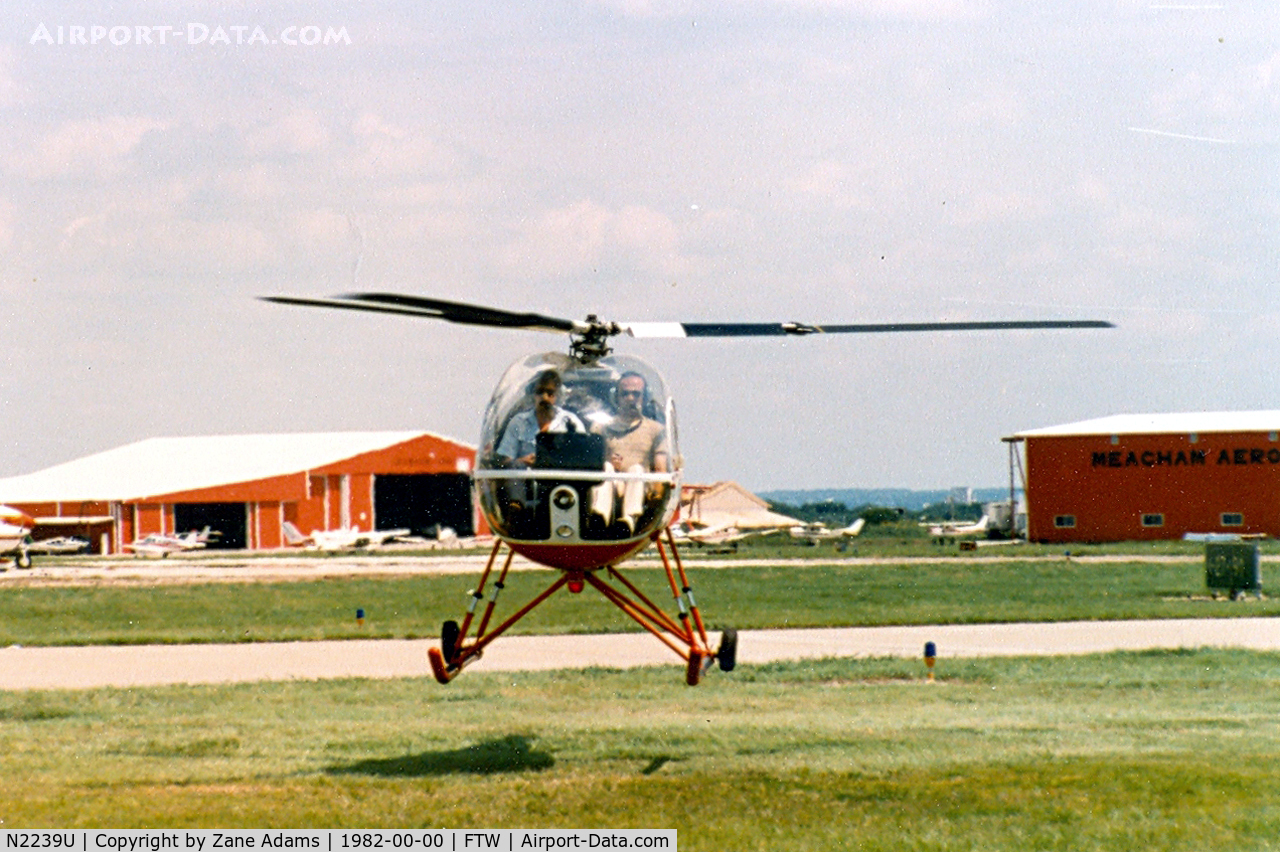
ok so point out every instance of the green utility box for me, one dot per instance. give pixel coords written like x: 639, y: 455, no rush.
x: 1232, y: 566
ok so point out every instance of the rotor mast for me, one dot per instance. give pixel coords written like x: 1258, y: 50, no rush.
x: 589, y: 341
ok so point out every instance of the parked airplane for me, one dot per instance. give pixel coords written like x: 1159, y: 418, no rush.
x: 949, y: 529
x: 818, y: 531
x: 696, y: 533
x: 350, y: 539
x: 63, y: 544
x: 15, y: 532
x: 159, y: 544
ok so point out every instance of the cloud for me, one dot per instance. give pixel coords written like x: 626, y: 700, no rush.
x: 300, y: 131
x: 6, y: 225
x: 8, y: 86
x: 833, y: 182
x: 587, y: 237
x: 318, y: 230
x: 383, y: 149
x: 95, y: 145
x: 916, y: 10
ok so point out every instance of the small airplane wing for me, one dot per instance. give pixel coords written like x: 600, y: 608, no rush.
x: 385, y: 536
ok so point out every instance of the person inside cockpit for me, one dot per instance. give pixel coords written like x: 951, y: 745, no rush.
x: 631, y: 439
x: 634, y: 443
x: 518, y: 447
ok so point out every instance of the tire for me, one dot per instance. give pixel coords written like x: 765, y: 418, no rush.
x: 449, y: 635
x: 22, y: 560
x: 727, y: 656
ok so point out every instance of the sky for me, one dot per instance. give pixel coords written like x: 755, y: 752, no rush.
x: 819, y: 161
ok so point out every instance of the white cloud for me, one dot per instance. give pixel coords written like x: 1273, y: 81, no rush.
x: 916, y: 10
x: 6, y: 224
x: 819, y: 160
x: 387, y: 150
x: 8, y: 85
x: 256, y: 183
x: 321, y: 229
x: 921, y: 10
x: 833, y: 182
x: 299, y: 131
x: 96, y: 145
x: 586, y: 237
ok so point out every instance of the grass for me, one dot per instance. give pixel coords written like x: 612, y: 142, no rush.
x: 909, y: 540
x: 950, y: 591
x: 1165, y: 751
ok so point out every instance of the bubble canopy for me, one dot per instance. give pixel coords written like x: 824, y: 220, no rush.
x: 578, y: 453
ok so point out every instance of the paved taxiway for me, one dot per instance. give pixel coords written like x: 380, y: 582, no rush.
x: 151, y: 665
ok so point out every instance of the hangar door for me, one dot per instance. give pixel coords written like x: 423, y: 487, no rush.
x: 230, y: 519
x: 421, y: 501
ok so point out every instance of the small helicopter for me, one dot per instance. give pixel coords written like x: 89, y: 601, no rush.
x: 578, y: 467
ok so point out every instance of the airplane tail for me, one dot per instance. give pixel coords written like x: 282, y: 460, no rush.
x: 292, y: 536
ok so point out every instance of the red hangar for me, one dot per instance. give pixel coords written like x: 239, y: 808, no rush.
x: 1152, y: 476
x: 248, y: 487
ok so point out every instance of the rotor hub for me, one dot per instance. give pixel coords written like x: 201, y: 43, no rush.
x: 589, y: 341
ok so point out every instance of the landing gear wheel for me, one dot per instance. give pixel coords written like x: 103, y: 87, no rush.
x: 727, y: 656
x: 449, y: 635
x: 22, y: 560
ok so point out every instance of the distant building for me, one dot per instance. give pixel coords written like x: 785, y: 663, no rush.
x: 728, y: 504
x: 1153, y: 476
x: 247, y: 486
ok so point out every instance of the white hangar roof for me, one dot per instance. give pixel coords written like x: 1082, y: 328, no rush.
x: 167, y: 465
x: 1187, y: 423
x: 726, y: 504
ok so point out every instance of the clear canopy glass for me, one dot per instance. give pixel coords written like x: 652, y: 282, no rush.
x: 573, y: 452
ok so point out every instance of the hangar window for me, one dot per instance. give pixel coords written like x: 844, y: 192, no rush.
x: 1153, y: 519
x: 1064, y: 522
x: 1232, y: 519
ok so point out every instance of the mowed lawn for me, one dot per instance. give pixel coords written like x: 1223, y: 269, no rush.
x: 1168, y: 750
x: 793, y: 595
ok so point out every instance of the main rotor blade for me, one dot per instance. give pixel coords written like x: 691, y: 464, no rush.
x: 778, y: 329
x: 417, y: 306
x: 468, y: 314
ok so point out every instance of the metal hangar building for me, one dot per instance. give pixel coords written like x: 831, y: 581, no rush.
x: 247, y: 486
x: 1152, y: 476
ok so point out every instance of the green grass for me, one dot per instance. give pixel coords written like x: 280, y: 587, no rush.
x: 960, y: 590
x: 1158, y: 751
x: 909, y: 540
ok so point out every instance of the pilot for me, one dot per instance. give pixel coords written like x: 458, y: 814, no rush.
x: 519, y: 443
x: 634, y: 443
x: 631, y: 439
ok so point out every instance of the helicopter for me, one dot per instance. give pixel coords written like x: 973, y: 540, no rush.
x: 578, y: 467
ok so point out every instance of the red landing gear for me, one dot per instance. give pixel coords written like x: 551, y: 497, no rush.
x: 685, y: 635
